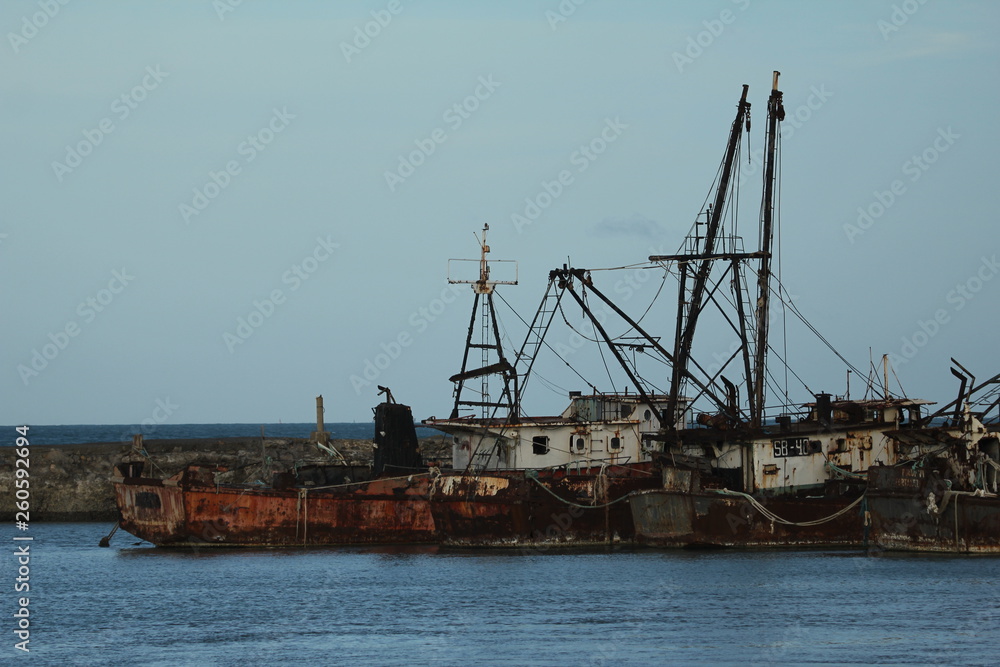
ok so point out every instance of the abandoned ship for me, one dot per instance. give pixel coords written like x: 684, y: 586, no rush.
x: 632, y: 465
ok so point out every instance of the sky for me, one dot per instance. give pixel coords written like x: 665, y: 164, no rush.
x: 215, y: 211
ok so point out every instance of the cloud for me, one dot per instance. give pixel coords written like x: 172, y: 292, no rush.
x: 934, y: 44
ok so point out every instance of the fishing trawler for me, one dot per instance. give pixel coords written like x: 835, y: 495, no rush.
x: 536, y: 481
x: 739, y: 479
x: 643, y: 466
x: 693, y: 465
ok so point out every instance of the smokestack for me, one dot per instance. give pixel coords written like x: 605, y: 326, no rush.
x: 824, y: 409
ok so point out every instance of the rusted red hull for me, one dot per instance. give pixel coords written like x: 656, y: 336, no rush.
x: 676, y: 518
x: 515, y: 509
x: 905, y: 517
x: 189, y: 510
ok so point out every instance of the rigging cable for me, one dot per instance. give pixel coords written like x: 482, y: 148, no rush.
x: 777, y: 228
x: 545, y: 343
x: 600, y: 347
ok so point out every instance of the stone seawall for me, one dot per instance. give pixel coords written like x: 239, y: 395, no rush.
x: 73, y: 482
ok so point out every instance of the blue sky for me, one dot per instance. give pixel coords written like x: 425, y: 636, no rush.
x: 173, y: 167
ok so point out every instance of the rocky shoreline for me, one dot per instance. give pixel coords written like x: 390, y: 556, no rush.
x: 72, y: 482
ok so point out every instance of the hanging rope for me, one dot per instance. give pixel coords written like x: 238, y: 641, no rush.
x: 774, y: 518
x: 533, y: 476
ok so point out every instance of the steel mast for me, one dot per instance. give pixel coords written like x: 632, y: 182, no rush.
x: 775, y: 114
x: 688, y: 321
x: 489, y: 345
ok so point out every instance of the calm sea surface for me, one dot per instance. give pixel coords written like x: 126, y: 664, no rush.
x: 75, y: 434
x: 135, y: 604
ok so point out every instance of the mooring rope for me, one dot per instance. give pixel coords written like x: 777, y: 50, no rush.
x: 774, y: 518
x: 533, y: 476
x: 106, y: 541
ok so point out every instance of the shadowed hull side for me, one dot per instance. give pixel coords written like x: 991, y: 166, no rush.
x: 668, y: 518
x: 912, y: 510
x: 521, y: 510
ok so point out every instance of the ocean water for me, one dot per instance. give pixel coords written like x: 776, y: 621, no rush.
x: 81, y: 433
x: 132, y: 604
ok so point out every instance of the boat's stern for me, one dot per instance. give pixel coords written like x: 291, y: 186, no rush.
x: 151, y: 509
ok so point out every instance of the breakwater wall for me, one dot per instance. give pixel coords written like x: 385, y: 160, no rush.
x: 73, y: 482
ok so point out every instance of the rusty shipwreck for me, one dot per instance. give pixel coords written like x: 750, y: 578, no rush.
x: 535, y: 481
x: 329, y: 503
x: 646, y: 465
x: 742, y: 478
x: 673, y: 454
x: 943, y: 497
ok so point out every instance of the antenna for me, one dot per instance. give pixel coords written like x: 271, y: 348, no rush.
x: 483, y: 284
x: 494, y: 362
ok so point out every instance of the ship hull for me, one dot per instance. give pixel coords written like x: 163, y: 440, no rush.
x: 535, y: 510
x: 702, y: 519
x: 905, y: 517
x: 185, y: 510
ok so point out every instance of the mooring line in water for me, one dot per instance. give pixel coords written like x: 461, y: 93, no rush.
x: 106, y: 540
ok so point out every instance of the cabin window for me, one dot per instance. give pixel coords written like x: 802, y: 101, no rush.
x: 578, y: 444
x: 540, y: 444
x: 625, y: 410
x: 647, y: 415
x: 615, y: 445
